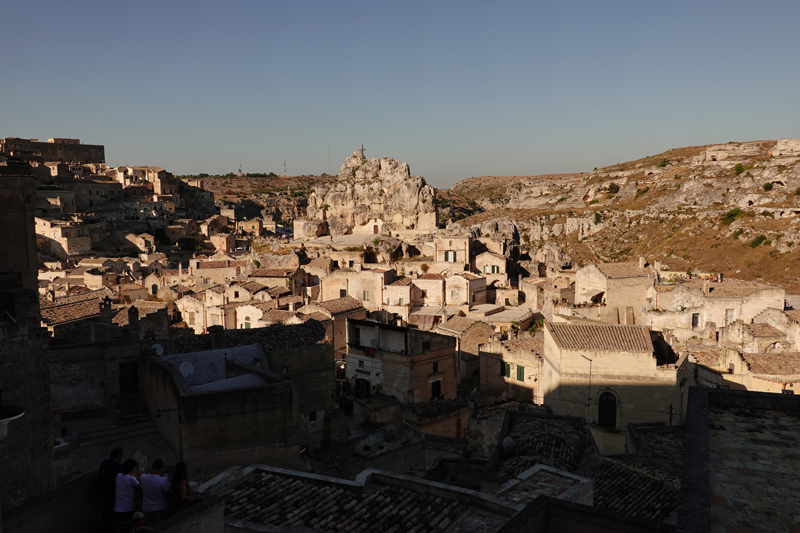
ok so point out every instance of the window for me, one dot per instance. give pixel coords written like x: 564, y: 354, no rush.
x: 342, y: 293
x: 436, y: 390
x: 357, y: 336
x: 508, y: 302
x: 426, y: 346
x: 247, y: 322
x: 361, y: 364
x: 695, y: 320
x: 486, y: 269
x: 214, y: 320
x: 190, y: 318
x: 450, y: 256
x: 453, y: 293
x: 520, y: 373
x: 728, y: 316
x: 366, y: 296
x: 235, y: 294
x: 508, y: 370
x: 502, y: 368
x: 435, y: 367
x: 495, y: 269
x: 400, y: 301
x: 423, y: 294
x: 312, y: 416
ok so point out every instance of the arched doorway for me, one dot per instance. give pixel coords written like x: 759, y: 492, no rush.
x: 375, y: 229
x: 607, y: 410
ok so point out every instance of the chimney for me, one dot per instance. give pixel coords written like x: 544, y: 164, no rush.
x: 133, y: 321
x: 719, y: 277
x: 706, y: 284
x: 216, y: 335
x: 105, y: 310
x: 642, y: 262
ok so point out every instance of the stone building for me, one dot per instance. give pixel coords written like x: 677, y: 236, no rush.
x: 510, y: 370
x: 470, y: 335
x: 338, y: 310
x: 365, y: 285
x: 410, y: 364
x: 55, y: 149
x: 26, y: 453
x: 608, y: 373
x: 492, y: 266
x: 251, y: 395
x: 63, y: 239
x: 623, y: 286
x: 17, y: 220
x: 685, y: 308
x: 465, y: 288
x: 452, y: 249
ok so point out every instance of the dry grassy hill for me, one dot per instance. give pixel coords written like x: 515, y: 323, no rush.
x: 732, y: 208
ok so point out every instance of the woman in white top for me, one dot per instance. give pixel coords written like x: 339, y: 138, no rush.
x: 125, y: 483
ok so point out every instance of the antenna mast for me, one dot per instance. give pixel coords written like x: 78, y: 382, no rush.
x: 285, y: 175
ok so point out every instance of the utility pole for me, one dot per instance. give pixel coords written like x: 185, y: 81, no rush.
x: 589, y: 399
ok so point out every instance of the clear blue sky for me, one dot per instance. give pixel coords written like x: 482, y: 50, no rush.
x: 456, y: 89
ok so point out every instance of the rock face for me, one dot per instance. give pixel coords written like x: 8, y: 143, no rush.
x: 374, y: 196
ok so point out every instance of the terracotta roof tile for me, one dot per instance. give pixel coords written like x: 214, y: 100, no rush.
x: 292, y: 502
x: 340, y: 305
x: 626, y: 491
x: 773, y: 364
x: 602, y: 337
x: 435, y: 408
x: 402, y: 281
x: 272, y: 272
x: 764, y: 330
x: 271, y: 338
x: 431, y: 276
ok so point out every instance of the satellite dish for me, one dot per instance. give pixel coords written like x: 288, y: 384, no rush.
x: 374, y: 343
x: 158, y: 348
x: 186, y: 368
x: 508, y: 444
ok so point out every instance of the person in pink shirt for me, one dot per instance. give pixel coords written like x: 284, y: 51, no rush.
x: 124, y: 485
x: 154, y: 493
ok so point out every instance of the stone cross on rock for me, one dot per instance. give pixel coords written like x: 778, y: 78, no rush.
x: 362, y: 149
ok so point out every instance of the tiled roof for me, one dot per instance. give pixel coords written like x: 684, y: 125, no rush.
x: 536, y: 344
x: 212, y: 264
x: 277, y: 316
x: 435, y: 408
x: 622, y: 270
x: 773, y: 364
x: 60, y: 314
x: 319, y: 317
x: 401, y: 281
x: 340, y: 305
x: 556, y: 443
x: 272, y: 272
x: 711, y: 357
x: 624, y: 490
x: 91, y: 295
x: 468, y: 275
x: 130, y: 287
x: 602, y: 337
x: 271, y: 338
x: 291, y: 502
x: 431, y: 276
x: 764, y: 330
x: 500, y: 409
x: 278, y: 291
x: 252, y: 286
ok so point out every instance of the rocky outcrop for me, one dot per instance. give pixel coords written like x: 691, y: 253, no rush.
x: 374, y: 196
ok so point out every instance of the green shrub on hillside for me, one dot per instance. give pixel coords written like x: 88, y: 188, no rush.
x: 767, y: 186
x: 758, y: 241
x: 730, y: 216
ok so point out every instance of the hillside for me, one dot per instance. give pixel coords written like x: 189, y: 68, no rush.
x: 731, y: 208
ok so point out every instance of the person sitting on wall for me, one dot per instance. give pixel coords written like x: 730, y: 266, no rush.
x: 181, y: 494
